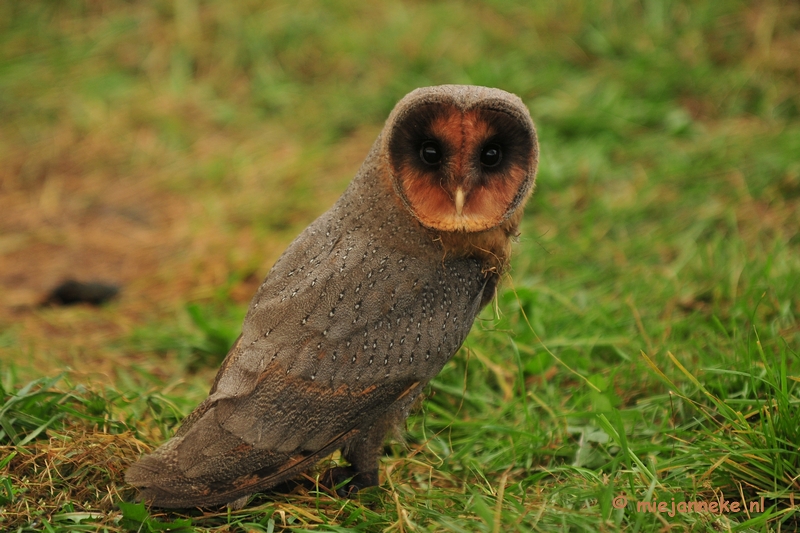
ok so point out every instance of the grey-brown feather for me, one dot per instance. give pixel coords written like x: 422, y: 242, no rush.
x: 359, y: 313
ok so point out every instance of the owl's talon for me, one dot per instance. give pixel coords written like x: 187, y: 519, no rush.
x: 347, y: 481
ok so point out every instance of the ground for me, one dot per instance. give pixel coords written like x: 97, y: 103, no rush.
x: 645, y: 343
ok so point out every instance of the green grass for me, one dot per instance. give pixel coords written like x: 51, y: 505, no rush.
x: 645, y: 344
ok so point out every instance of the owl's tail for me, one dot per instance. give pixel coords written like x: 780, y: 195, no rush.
x: 161, y: 482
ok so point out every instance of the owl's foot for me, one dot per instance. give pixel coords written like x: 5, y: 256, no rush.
x: 347, y: 481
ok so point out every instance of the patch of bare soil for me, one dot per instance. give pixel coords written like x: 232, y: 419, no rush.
x: 88, y: 227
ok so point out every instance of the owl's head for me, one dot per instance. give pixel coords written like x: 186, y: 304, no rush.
x: 461, y: 158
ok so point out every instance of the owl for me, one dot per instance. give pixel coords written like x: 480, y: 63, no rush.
x: 364, y: 307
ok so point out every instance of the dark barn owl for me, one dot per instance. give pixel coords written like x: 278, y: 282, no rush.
x: 364, y: 308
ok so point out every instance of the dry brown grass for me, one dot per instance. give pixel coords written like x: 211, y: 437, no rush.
x: 80, y: 474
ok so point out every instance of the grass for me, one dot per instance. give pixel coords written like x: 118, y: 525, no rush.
x: 645, y: 344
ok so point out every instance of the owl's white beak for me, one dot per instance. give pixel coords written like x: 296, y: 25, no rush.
x: 459, y: 200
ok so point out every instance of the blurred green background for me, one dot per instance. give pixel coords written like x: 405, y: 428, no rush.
x: 176, y: 147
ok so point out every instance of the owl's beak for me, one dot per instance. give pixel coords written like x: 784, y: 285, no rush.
x: 459, y: 200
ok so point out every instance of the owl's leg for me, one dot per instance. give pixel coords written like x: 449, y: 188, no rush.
x: 489, y: 289
x: 363, y: 454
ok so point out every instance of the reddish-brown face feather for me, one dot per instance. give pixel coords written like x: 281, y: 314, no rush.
x: 430, y: 190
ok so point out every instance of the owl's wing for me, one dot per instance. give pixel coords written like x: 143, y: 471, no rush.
x: 284, y: 415
x: 233, y: 446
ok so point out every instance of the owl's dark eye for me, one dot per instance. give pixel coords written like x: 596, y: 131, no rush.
x: 430, y: 152
x: 491, y: 155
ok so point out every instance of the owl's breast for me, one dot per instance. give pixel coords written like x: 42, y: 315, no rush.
x: 357, y: 303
